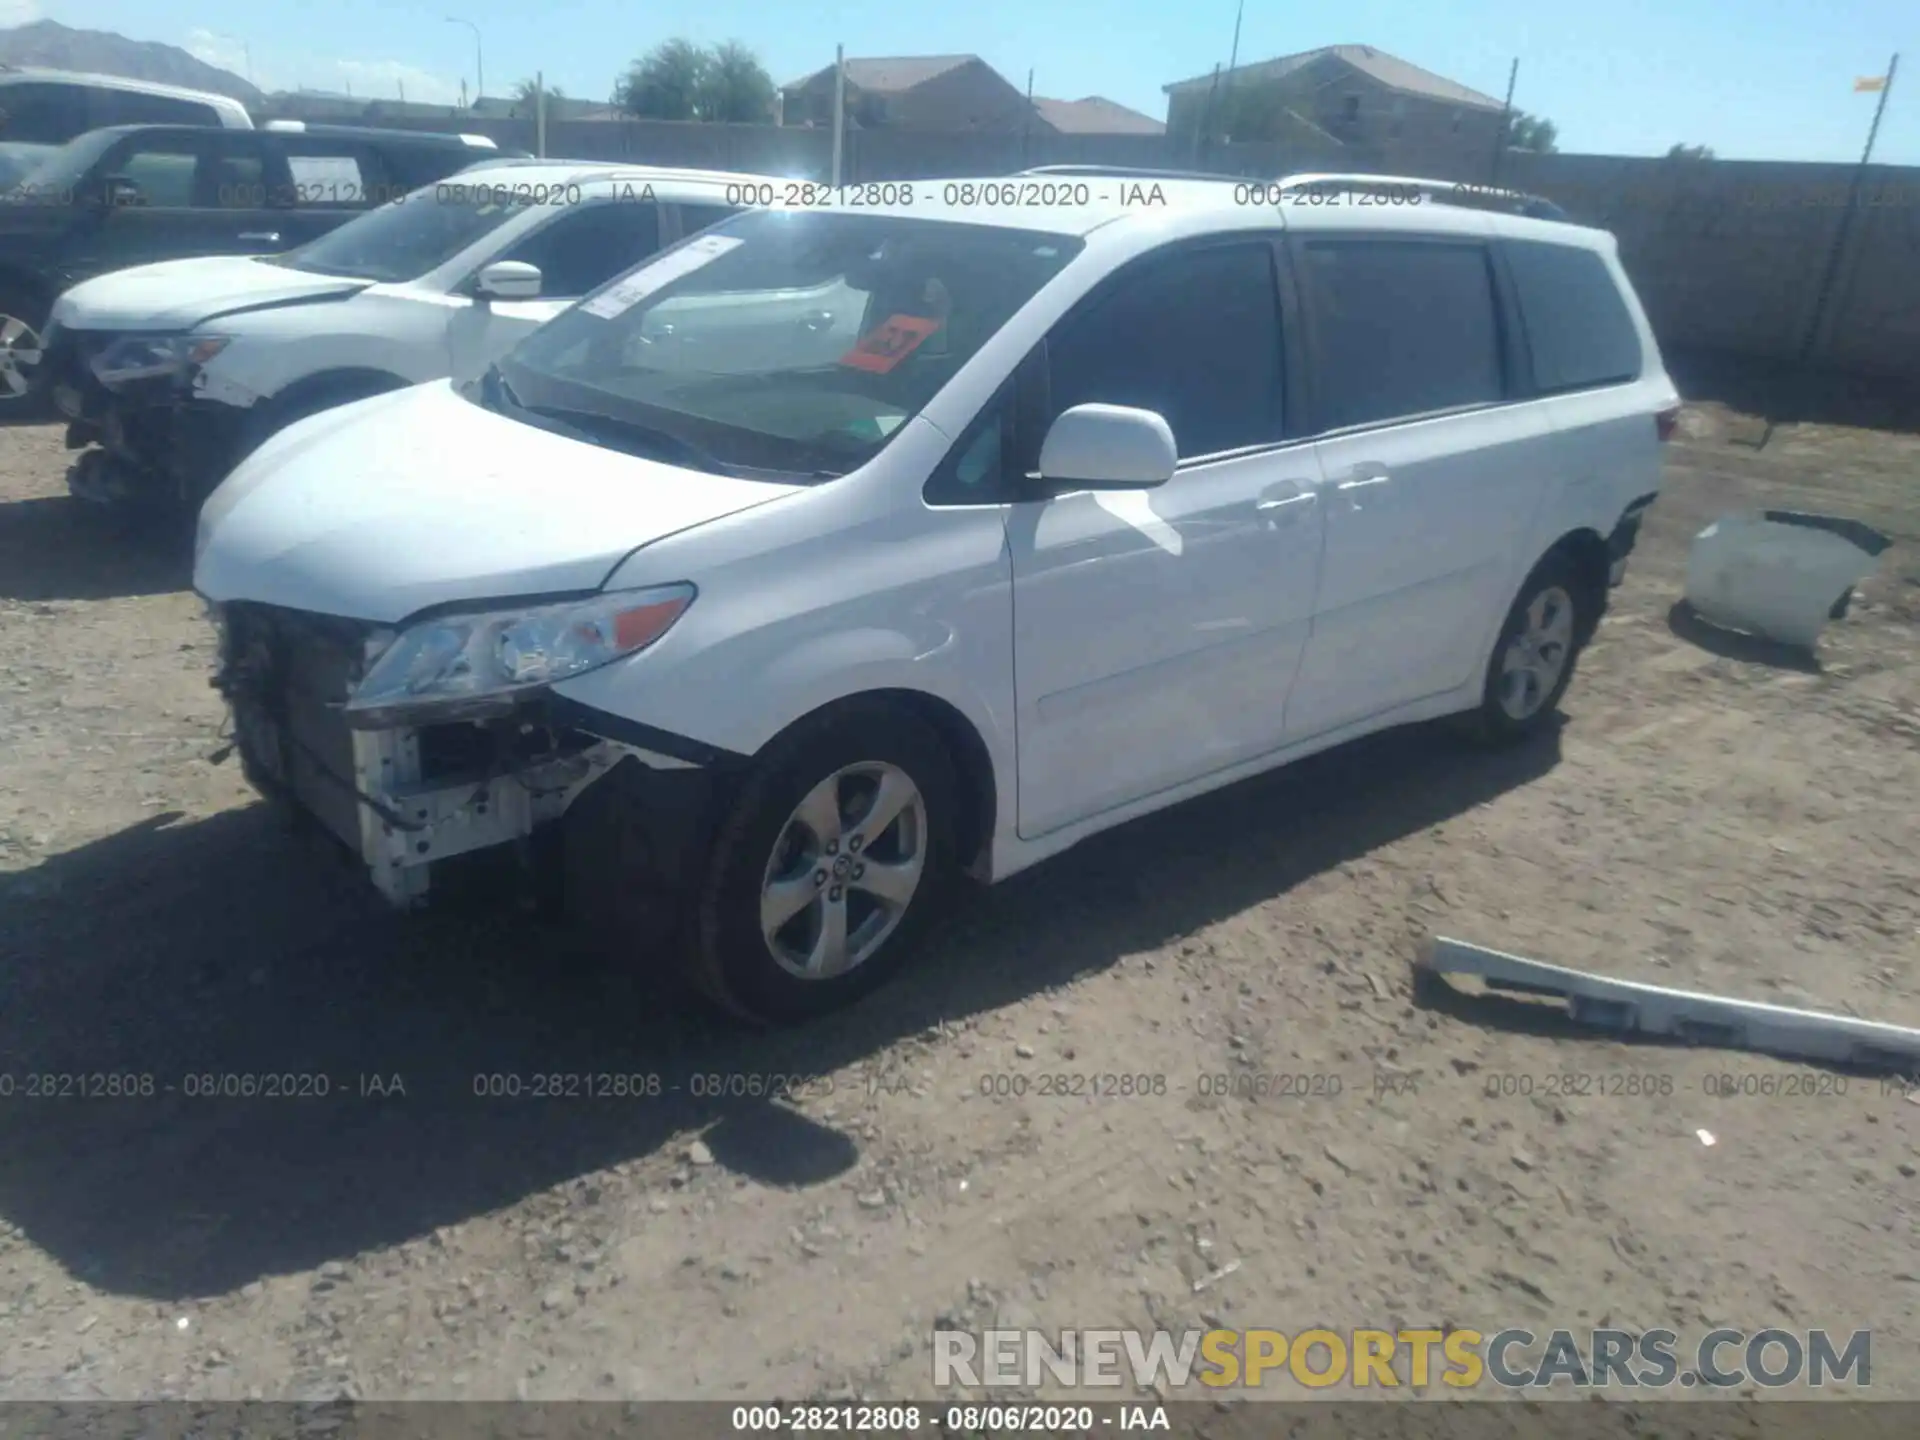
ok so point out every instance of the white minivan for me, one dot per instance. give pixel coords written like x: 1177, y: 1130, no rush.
x: 848, y: 546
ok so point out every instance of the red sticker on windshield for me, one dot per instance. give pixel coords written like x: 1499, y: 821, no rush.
x: 889, y: 342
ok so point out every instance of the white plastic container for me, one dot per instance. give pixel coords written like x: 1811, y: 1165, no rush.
x: 1779, y: 574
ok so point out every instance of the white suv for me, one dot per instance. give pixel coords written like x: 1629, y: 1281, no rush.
x: 841, y: 549
x: 178, y: 368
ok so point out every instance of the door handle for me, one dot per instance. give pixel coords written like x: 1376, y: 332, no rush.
x: 272, y: 237
x: 1268, y: 506
x: 816, y: 320
x: 1366, y: 473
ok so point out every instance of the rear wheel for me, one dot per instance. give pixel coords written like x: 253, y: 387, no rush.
x: 829, y: 867
x: 1533, y: 660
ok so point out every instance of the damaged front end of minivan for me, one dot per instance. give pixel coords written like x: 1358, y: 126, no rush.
x: 441, y: 738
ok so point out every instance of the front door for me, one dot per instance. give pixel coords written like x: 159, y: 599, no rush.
x: 1433, y: 474
x: 1156, y: 632
x: 193, y: 192
x: 577, y: 251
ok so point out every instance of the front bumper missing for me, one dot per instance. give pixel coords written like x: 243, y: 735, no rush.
x: 155, y: 438
x: 400, y: 798
x: 400, y: 824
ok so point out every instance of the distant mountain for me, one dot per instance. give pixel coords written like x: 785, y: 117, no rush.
x: 49, y: 43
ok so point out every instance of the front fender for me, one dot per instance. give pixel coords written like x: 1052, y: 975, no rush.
x: 917, y: 600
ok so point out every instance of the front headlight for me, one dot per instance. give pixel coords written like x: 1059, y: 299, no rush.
x: 148, y: 357
x: 466, y: 666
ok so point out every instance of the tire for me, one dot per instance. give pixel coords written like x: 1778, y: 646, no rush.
x: 767, y: 835
x: 1546, y: 624
x: 24, y: 396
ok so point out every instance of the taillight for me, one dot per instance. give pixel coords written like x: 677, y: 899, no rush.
x: 1667, y: 422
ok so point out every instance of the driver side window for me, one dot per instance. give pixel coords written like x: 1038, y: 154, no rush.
x: 1193, y: 336
x: 162, y: 168
x: 585, y: 246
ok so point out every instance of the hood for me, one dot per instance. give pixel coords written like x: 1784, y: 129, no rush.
x: 381, y: 508
x: 180, y: 294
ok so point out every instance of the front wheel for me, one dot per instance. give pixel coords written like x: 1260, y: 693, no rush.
x: 23, y: 322
x: 1533, y: 660
x: 829, y: 867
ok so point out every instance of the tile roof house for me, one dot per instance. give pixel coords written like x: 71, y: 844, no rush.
x: 911, y: 92
x: 1355, y: 93
x: 1095, y: 115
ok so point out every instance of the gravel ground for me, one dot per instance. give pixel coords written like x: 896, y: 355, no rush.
x: 1711, y: 814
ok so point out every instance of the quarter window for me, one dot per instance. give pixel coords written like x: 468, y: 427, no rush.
x: 1577, y: 326
x: 1401, y: 328
x: 1193, y: 336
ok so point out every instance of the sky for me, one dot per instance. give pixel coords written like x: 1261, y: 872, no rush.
x: 1753, y: 79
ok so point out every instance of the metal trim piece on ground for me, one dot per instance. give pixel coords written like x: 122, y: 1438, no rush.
x: 1628, y: 1007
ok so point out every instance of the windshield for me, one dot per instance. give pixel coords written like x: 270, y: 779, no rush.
x: 406, y: 239
x: 782, y: 340
x: 53, y: 174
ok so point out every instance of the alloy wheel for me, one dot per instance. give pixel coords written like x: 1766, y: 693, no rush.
x: 19, y: 356
x: 844, y: 869
x: 1537, y: 654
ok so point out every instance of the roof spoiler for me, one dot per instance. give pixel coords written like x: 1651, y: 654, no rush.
x: 1443, y: 192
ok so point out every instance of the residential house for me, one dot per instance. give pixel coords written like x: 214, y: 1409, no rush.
x: 1357, y: 95
x: 915, y: 92
x: 1095, y: 115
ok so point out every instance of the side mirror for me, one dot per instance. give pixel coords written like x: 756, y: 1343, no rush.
x: 508, y: 280
x: 118, y: 190
x: 1108, y: 447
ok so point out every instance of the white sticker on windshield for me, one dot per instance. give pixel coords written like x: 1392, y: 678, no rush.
x: 623, y: 296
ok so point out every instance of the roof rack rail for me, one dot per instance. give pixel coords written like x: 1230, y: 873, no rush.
x: 1130, y: 172
x: 1446, y: 192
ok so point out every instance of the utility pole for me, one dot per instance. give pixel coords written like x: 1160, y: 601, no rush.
x: 1026, y: 127
x: 540, y: 113
x: 479, y: 60
x: 1204, y: 137
x: 1844, y: 230
x: 839, y: 108
x: 1506, y: 121
x: 1233, y: 63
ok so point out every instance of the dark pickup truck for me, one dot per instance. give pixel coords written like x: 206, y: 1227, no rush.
x: 133, y: 194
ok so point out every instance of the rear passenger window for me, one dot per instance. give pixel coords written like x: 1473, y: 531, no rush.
x: 332, y: 174
x: 1401, y: 328
x: 1194, y: 336
x: 46, y: 114
x: 130, y: 107
x: 1577, y: 326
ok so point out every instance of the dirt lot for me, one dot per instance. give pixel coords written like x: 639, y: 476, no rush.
x: 1707, y: 817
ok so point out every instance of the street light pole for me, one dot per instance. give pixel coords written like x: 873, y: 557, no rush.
x: 479, y: 69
